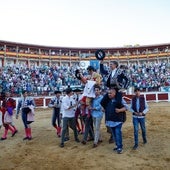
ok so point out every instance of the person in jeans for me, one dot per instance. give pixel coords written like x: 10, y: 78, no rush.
x: 97, y: 115
x: 115, y: 107
x: 68, y: 115
x: 117, y: 78
x: 139, y: 108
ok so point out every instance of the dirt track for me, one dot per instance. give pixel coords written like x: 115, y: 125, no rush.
x: 43, y: 152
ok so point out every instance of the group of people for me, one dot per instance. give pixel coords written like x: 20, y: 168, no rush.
x: 90, y: 106
x: 46, y: 79
x: 37, y: 80
x: 26, y: 104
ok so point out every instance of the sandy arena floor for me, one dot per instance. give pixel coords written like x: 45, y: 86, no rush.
x: 43, y: 152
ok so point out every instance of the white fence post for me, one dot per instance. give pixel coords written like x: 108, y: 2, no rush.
x: 156, y: 97
x: 44, y: 103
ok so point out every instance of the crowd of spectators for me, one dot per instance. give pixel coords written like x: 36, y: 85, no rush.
x: 43, y: 80
x: 150, y: 76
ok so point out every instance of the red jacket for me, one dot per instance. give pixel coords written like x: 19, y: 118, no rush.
x: 8, y: 103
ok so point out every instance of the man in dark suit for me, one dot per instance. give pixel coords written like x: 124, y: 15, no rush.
x: 116, y: 76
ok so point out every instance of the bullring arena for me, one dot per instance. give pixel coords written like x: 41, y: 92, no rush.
x: 43, y: 151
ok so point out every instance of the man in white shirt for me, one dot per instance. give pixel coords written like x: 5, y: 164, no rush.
x: 68, y: 115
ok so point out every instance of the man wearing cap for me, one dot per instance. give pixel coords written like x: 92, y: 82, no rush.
x: 55, y: 103
x: 69, y: 105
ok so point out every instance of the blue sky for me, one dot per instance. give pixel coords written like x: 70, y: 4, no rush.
x: 85, y: 23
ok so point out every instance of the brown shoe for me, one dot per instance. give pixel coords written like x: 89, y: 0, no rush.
x: 95, y: 145
x: 111, y: 140
x: 90, y: 139
x: 100, y: 141
x: 83, y: 142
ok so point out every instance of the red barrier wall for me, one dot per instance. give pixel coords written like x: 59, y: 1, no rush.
x: 150, y: 97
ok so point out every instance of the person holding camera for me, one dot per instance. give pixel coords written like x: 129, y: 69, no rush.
x: 68, y: 115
